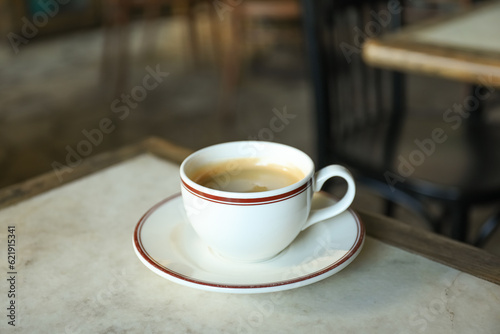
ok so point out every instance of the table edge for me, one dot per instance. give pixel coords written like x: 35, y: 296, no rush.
x: 416, y: 56
x: 50, y: 180
x: 423, y: 58
x: 437, y: 248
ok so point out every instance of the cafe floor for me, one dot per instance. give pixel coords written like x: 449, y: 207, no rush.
x: 54, y: 94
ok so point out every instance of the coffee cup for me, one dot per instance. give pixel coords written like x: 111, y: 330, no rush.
x: 248, y: 200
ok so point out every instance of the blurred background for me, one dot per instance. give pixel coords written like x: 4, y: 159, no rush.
x: 192, y: 72
x: 63, y: 78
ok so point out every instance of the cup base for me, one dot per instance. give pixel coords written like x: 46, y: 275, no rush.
x: 226, y: 258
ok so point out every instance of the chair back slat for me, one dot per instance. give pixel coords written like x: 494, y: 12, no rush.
x: 353, y: 95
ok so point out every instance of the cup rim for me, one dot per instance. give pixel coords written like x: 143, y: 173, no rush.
x: 246, y: 198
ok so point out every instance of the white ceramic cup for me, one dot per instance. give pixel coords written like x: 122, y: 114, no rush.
x: 256, y: 226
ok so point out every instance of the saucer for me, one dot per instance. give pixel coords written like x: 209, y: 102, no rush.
x: 166, y: 243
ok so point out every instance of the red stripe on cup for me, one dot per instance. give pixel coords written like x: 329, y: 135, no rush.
x: 246, y: 201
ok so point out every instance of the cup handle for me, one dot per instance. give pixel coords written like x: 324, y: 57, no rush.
x: 319, y: 179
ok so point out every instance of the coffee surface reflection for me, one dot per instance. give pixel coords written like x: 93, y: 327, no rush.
x: 246, y: 175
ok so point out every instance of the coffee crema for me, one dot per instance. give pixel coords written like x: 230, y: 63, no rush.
x: 246, y: 175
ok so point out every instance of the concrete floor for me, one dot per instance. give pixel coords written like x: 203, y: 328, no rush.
x: 53, y: 94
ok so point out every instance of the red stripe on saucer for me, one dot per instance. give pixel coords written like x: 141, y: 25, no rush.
x: 139, y: 246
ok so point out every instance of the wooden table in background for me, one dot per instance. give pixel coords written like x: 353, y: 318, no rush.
x: 463, y: 47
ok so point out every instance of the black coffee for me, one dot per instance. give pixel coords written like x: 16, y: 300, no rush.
x: 246, y: 175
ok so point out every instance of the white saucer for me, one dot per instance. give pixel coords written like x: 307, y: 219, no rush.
x: 165, y: 242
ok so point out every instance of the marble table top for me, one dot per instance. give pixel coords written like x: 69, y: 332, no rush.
x: 464, y: 46
x: 76, y: 272
x: 478, y: 30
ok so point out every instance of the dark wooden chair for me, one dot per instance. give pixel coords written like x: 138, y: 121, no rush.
x: 450, y: 160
